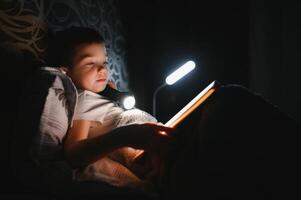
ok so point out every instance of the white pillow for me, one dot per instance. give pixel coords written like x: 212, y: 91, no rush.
x: 56, y: 117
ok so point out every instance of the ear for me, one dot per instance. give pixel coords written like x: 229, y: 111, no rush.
x: 65, y: 70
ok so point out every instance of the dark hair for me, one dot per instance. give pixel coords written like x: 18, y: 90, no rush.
x: 63, y: 44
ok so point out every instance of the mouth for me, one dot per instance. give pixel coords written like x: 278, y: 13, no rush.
x: 101, y: 80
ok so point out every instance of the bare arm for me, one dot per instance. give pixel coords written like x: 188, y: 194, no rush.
x: 81, y: 150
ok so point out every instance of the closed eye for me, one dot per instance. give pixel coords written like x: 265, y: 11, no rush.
x: 90, y: 64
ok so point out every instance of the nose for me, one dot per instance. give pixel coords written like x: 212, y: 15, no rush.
x: 101, y: 69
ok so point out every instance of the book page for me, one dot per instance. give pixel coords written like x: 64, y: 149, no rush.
x: 192, y: 105
x: 188, y: 109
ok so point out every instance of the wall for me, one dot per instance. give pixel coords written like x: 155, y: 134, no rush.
x: 162, y: 35
x: 253, y: 43
x: 24, y: 26
x: 275, y: 53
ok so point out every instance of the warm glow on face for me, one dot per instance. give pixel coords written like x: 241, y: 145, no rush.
x: 90, y: 67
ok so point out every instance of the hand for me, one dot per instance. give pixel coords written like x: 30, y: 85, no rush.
x: 112, y: 84
x: 151, y: 137
x: 157, y: 142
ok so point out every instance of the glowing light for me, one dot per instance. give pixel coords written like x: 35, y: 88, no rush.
x: 162, y: 132
x: 179, y: 73
x: 129, y: 102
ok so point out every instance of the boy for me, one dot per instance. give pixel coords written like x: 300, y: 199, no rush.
x: 86, y: 64
x: 52, y: 158
x: 221, y: 150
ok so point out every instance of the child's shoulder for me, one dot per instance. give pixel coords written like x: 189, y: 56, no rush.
x: 86, y: 97
x: 60, y: 79
x: 88, y: 93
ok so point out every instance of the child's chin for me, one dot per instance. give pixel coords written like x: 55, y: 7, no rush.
x: 97, y: 90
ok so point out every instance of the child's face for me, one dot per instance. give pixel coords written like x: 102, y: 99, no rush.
x: 90, y: 67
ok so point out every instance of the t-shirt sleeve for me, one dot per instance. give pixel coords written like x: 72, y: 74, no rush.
x: 92, y: 107
x: 135, y: 116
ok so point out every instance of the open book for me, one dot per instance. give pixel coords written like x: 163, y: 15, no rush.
x: 190, y: 107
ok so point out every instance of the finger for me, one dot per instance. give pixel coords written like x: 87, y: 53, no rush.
x: 166, y: 131
x: 160, y: 127
x: 163, y: 133
x: 112, y: 84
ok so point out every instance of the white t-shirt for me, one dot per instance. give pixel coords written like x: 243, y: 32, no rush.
x: 106, y: 115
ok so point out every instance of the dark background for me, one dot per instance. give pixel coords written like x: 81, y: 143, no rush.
x: 252, y: 43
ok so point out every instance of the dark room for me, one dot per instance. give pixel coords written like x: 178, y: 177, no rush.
x: 216, y: 108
